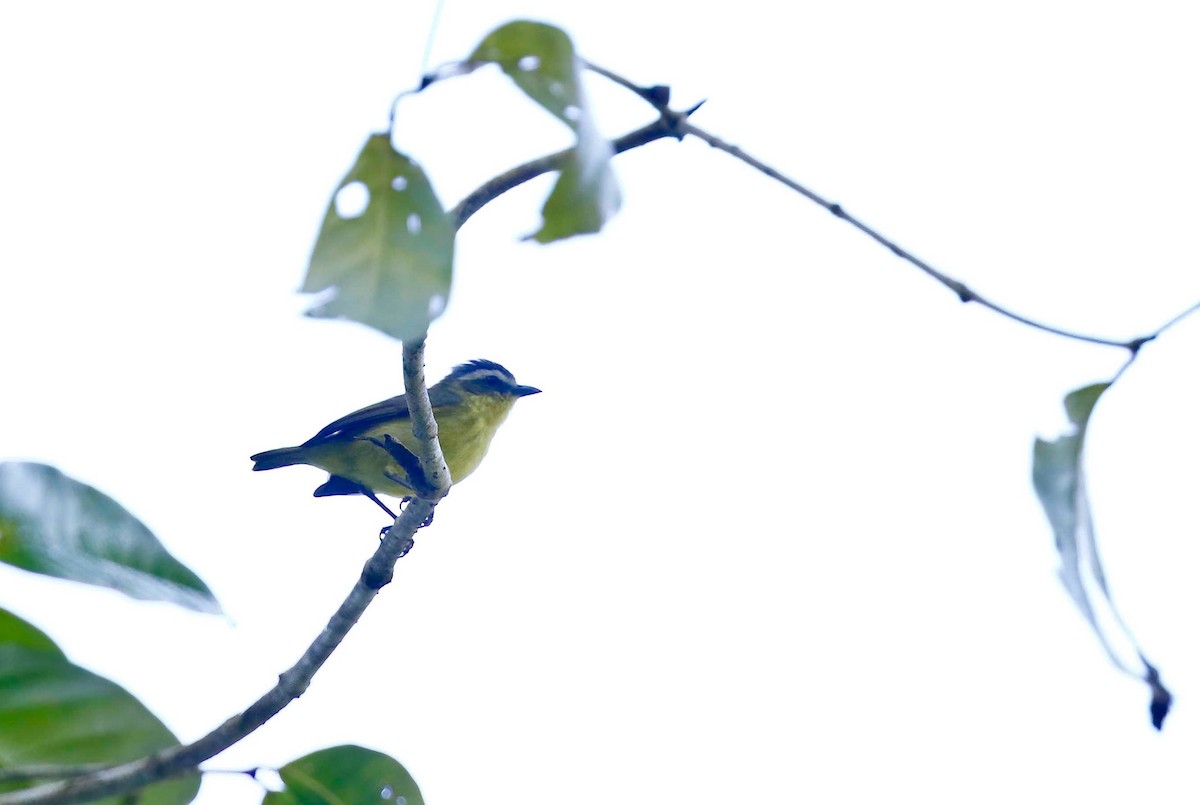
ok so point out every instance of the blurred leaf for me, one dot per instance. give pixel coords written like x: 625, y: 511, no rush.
x: 17, y: 632
x: 385, y: 252
x: 347, y: 775
x: 57, y: 526
x: 1058, y: 477
x: 541, y: 60
x: 54, y: 712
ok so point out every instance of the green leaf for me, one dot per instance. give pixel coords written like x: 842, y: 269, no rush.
x: 384, y: 258
x: 345, y: 775
x: 54, y: 712
x: 17, y: 632
x: 1058, y: 478
x: 57, y: 526
x: 541, y: 60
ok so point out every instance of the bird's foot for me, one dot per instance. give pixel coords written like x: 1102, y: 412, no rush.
x: 415, y: 477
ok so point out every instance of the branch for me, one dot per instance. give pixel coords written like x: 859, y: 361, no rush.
x: 424, y: 426
x: 87, y: 784
x: 667, y: 125
x: 657, y: 97
x: 376, y: 573
x: 675, y: 124
x: 46, y: 771
x: 961, y: 290
x: 1174, y: 320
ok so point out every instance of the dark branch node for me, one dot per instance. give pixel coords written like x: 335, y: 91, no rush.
x: 836, y: 210
x: 1136, y: 344
x: 1160, y: 697
x: 674, y: 123
x: 377, y: 578
x: 659, y: 95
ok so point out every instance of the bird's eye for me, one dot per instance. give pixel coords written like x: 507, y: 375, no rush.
x: 491, y: 384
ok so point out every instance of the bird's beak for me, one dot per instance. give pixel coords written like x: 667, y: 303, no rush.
x: 525, y: 391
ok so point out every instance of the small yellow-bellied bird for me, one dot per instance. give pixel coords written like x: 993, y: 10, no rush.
x: 469, y: 405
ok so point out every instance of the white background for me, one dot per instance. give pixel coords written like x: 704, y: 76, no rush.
x: 768, y: 536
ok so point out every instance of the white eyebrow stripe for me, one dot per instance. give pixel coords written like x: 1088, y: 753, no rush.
x: 479, y: 374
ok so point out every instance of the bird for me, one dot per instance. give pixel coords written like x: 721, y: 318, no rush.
x: 370, y: 451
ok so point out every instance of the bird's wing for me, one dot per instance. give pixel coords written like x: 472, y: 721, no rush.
x: 395, y: 408
x: 362, y: 419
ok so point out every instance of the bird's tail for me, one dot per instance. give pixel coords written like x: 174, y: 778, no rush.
x: 282, y: 457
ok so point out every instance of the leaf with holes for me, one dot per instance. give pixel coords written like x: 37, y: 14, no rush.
x: 345, y: 774
x: 1058, y: 478
x: 53, y: 712
x: 541, y: 60
x: 57, y: 526
x: 385, y: 252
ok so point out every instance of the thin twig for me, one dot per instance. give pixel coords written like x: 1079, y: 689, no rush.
x: 1162, y: 329
x: 665, y: 126
x: 675, y: 124
x: 376, y: 573
x: 1175, y: 320
x: 433, y: 26
x: 657, y: 98
x: 961, y: 290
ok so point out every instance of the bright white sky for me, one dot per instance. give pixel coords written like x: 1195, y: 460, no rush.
x: 768, y: 536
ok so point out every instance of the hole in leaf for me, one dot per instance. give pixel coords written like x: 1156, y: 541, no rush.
x: 352, y: 200
x: 401, y: 800
x: 572, y: 112
x: 324, y: 297
x: 437, y: 303
x: 399, y: 184
x: 386, y: 793
x: 528, y: 63
x: 413, y: 223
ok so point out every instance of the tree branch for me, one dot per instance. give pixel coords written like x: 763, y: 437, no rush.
x: 675, y: 124
x: 961, y: 290
x: 424, y: 426
x: 46, y: 771
x: 376, y: 573
x: 667, y: 125
x: 657, y: 97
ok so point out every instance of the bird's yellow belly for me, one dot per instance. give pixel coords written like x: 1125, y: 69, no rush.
x: 464, y: 437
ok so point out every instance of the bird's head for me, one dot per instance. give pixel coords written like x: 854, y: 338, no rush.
x: 484, y: 379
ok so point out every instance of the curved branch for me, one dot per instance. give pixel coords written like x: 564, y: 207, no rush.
x: 376, y: 573
x: 657, y: 97
x: 46, y: 771
x: 1173, y: 321
x: 667, y: 125
x: 961, y: 290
